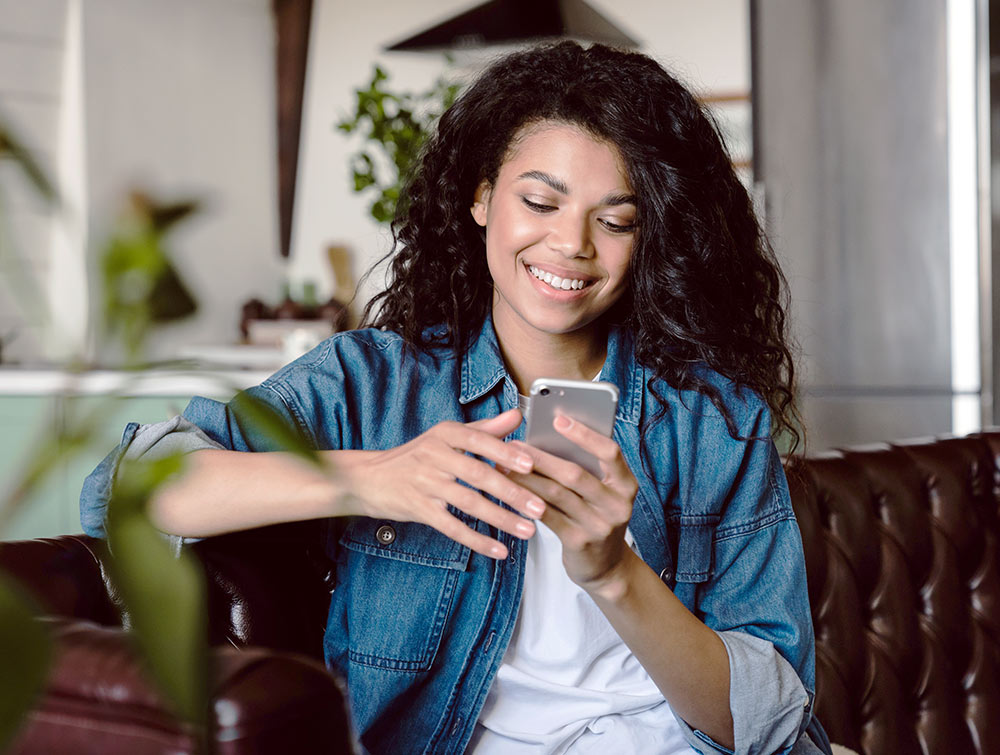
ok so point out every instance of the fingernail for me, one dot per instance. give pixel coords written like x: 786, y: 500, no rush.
x: 535, y: 507
x: 523, y: 463
x: 498, y: 551
x: 562, y: 422
x: 524, y: 529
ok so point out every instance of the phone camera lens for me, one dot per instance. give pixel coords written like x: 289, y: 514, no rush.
x: 544, y: 392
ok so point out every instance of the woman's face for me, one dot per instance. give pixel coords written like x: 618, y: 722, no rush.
x: 560, y: 222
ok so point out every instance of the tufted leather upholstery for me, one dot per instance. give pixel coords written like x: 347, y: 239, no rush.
x: 901, y: 546
x: 267, y: 601
x: 904, y: 580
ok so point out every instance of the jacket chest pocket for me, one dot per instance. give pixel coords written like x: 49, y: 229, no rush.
x: 396, y: 585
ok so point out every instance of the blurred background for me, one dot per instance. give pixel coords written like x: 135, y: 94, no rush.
x: 863, y: 131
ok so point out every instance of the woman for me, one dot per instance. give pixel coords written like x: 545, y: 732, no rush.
x: 574, y: 216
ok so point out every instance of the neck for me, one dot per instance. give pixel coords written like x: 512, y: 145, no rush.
x: 530, y: 354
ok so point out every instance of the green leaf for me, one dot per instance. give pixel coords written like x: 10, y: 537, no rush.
x: 383, y: 211
x: 136, y: 481
x: 362, y: 181
x: 27, y: 649
x: 12, y: 147
x: 164, y: 597
x: 399, y: 123
x: 141, y: 285
x: 259, y: 418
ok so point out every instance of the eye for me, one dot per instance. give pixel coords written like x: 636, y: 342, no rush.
x: 537, y: 206
x: 616, y: 228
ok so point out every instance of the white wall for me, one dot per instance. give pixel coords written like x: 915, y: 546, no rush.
x: 178, y: 98
x: 705, y: 43
x: 33, y: 43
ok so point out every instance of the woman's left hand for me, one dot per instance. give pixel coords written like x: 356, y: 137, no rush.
x: 589, y: 515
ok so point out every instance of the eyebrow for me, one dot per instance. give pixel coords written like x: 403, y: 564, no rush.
x: 613, y: 199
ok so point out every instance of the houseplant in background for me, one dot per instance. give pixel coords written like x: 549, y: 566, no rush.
x: 162, y: 591
x: 394, y: 126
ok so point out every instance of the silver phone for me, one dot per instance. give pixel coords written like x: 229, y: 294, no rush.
x: 593, y: 404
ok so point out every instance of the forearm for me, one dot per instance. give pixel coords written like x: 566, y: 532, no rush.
x: 686, y: 660
x: 224, y: 491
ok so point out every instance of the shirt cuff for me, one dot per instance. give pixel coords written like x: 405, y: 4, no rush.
x: 149, y: 442
x: 770, y: 706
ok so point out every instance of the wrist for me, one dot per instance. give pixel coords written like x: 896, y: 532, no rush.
x: 340, y: 486
x: 615, y: 585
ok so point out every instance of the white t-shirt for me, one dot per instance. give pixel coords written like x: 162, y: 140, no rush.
x: 568, y: 683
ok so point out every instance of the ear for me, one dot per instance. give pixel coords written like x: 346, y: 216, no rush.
x: 479, y: 203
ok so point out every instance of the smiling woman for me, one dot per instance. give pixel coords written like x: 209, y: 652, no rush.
x: 575, y: 215
x: 559, y: 225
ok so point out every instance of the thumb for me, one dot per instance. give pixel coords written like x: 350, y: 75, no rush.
x: 501, y: 425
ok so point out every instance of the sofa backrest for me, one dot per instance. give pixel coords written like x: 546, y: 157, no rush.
x: 901, y: 545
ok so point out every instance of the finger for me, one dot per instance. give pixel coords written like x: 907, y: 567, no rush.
x: 472, y: 503
x: 566, y: 473
x: 610, y: 501
x: 452, y: 527
x: 483, y: 477
x: 472, y: 438
x: 558, y: 522
x: 604, y: 448
x: 501, y: 425
x: 557, y: 496
x: 617, y: 474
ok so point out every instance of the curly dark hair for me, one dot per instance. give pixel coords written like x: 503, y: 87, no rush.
x: 704, y: 285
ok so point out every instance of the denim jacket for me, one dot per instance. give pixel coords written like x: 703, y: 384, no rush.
x: 418, y: 624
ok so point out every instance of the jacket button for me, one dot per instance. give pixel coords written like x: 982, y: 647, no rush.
x: 385, y: 534
x: 666, y: 575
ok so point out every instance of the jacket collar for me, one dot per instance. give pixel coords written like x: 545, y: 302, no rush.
x: 483, y: 369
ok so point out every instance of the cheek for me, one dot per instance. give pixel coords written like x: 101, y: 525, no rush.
x: 512, y: 231
x: 620, y: 260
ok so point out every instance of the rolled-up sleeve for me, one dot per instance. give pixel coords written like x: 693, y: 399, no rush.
x: 149, y: 442
x: 763, y: 687
x: 205, y: 423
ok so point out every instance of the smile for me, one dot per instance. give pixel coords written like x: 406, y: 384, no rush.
x: 563, y: 284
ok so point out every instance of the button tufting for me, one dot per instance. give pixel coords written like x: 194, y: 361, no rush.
x: 385, y: 534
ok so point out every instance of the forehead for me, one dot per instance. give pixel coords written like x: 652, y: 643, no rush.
x: 564, y: 147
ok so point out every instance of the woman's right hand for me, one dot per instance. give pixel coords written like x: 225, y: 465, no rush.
x: 414, y: 482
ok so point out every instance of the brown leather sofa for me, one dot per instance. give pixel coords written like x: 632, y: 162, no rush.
x: 903, y: 561
x: 267, y: 597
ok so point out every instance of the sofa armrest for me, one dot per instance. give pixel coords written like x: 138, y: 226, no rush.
x: 65, y: 574
x: 98, y: 700
x: 268, y: 587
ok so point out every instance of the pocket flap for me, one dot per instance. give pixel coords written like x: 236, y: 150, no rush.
x: 411, y: 542
x: 695, y: 535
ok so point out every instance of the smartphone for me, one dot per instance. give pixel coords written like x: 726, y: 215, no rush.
x: 593, y: 404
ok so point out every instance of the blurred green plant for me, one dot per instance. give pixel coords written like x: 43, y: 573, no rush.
x: 395, y: 126
x: 163, y: 593
x: 141, y: 285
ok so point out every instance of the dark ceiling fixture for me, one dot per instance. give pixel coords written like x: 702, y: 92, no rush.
x: 510, y: 21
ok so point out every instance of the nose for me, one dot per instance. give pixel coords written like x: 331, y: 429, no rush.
x: 569, y: 235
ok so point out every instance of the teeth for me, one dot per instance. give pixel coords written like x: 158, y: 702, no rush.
x: 555, y: 281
